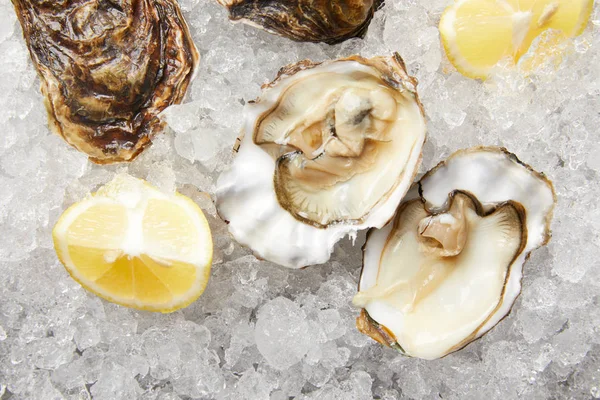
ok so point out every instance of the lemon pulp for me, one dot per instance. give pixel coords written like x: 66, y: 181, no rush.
x: 136, y: 246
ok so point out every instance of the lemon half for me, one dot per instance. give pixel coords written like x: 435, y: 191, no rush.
x: 133, y: 245
x: 477, y: 34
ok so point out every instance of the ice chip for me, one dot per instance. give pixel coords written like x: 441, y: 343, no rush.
x: 282, y: 333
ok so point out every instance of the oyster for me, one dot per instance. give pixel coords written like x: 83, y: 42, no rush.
x: 449, y: 267
x: 329, y: 21
x: 107, y: 69
x: 327, y: 150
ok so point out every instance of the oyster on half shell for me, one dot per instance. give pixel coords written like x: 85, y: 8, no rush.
x: 327, y: 150
x: 329, y: 21
x: 107, y: 69
x: 449, y: 266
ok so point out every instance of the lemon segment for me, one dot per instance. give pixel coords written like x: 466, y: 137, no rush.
x: 478, y: 34
x: 133, y: 245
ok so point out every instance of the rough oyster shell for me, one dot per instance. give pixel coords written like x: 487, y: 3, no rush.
x: 329, y: 21
x: 107, y: 69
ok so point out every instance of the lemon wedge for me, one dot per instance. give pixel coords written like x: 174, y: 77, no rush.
x: 477, y: 34
x: 135, y: 246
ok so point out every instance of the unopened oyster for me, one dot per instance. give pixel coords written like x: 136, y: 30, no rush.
x: 449, y: 266
x: 328, y: 149
x: 108, y: 68
x: 329, y: 21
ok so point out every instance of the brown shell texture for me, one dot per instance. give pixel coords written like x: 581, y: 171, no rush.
x: 108, y: 68
x: 329, y: 21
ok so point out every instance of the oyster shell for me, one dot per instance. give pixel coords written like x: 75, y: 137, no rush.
x: 327, y: 150
x: 449, y: 267
x: 107, y: 69
x: 329, y: 21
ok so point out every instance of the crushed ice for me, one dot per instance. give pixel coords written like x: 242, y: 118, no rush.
x: 264, y: 332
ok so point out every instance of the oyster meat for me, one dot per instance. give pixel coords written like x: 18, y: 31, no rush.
x: 327, y: 150
x: 329, y: 21
x: 449, y: 266
x: 108, y: 68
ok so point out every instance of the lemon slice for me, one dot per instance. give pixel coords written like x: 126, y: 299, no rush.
x: 477, y: 34
x: 133, y: 245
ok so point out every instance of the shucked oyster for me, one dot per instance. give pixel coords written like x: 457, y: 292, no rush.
x: 449, y: 267
x: 108, y: 68
x: 329, y: 21
x: 327, y: 150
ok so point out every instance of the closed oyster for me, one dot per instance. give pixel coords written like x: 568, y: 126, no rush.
x: 449, y: 267
x: 108, y: 68
x: 329, y: 21
x: 327, y: 150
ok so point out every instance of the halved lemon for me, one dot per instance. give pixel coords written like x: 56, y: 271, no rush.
x: 133, y: 245
x: 477, y: 34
